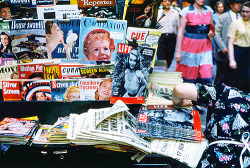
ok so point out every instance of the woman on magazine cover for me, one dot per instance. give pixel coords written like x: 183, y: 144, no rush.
x: 6, y: 49
x: 55, y: 40
x: 98, y: 46
x: 72, y: 93
x: 135, y: 82
x: 104, y: 90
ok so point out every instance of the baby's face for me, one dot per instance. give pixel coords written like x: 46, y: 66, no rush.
x: 99, y: 50
x: 74, y: 96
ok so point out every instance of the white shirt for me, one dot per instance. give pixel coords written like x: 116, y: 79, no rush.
x: 169, y: 22
x: 233, y: 15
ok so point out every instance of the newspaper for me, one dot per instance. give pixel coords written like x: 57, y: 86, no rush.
x: 107, y: 125
x: 186, y: 152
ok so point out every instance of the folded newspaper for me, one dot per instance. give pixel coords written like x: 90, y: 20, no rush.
x: 105, y: 126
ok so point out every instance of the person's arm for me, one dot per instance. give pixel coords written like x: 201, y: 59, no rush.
x: 143, y: 82
x: 232, y: 62
x: 211, y: 33
x: 181, y: 29
x: 183, y: 93
x: 218, y: 35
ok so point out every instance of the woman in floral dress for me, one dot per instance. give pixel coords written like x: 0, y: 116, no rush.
x: 194, y: 47
x: 228, y: 122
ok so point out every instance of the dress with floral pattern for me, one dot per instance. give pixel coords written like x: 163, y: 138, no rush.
x: 228, y: 126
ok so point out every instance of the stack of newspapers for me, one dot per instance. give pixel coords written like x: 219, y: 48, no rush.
x: 160, y: 87
x: 17, y: 130
x: 114, y: 125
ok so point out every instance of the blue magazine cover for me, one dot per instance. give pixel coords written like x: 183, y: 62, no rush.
x: 65, y: 90
x: 23, y: 9
x: 62, y: 38
x: 99, y: 38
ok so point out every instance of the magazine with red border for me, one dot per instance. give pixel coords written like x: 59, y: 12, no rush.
x: 11, y: 90
x: 30, y: 70
x: 131, y: 73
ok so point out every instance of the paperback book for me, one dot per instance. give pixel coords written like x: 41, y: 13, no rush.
x: 67, y: 44
x: 65, y: 90
x: 95, y: 88
x: 178, y: 123
x: 29, y: 40
x: 97, y: 71
x: 99, y: 38
x: 131, y: 73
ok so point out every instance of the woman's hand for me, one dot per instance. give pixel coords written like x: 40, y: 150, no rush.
x: 178, y: 56
x: 232, y: 64
x: 211, y: 34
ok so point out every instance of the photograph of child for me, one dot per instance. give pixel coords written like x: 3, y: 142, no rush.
x: 98, y: 45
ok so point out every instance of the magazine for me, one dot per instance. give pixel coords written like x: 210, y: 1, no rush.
x: 67, y: 44
x: 30, y: 71
x: 5, y: 43
x: 99, y: 38
x: 95, y: 88
x: 131, y: 74
x: 23, y: 9
x: 8, y: 72
x: 97, y: 8
x: 178, y: 123
x: 46, y: 11
x: 6, y: 9
x: 65, y: 90
x: 97, y: 71
x: 68, y: 71
x: 29, y: 40
x: 36, y: 90
x: 51, y: 71
x: 67, y: 11
x: 142, y: 13
x: 11, y: 90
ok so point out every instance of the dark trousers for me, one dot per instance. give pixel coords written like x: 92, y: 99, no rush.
x: 221, y: 69
x: 166, y: 47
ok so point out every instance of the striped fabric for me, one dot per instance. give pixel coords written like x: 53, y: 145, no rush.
x: 196, y: 64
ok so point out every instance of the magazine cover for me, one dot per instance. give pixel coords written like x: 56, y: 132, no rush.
x: 46, y: 11
x: 4, y: 61
x: 97, y: 71
x: 95, y: 88
x: 5, y: 13
x: 99, y: 38
x: 65, y: 90
x: 11, y: 90
x: 68, y: 71
x: 30, y: 71
x: 142, y: 13
x: 36, y: 90
x: 144, y: 36
x: 62, y: 38
x: 177, y: 123
x: 28, y: 39
x: 23, y: 9
x: 16, y: 127
x: 5, y: 43
x: 51, y: 71
x: 8, y: 72
x: 97, y: 8
x: 66, y: 2
x: 131, y: 73
x: 67, y: 12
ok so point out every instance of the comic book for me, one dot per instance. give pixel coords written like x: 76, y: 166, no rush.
x: 30, y: 71
x: 97, y: 71
x: 29, y: 40
x: 65, y: 90
x: 142, y: 13
x: 170, y: 123
x: 68, y: 71
x: 95, y: 88
x: 144, y: 36
x: 23, y: 9
x: 131, y: 73
x: 51, y: 71
x: 92, y: 47
x: 8, y: 72
x: 97, y: 8
x: 36, y: 90
x: 68, y: 47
